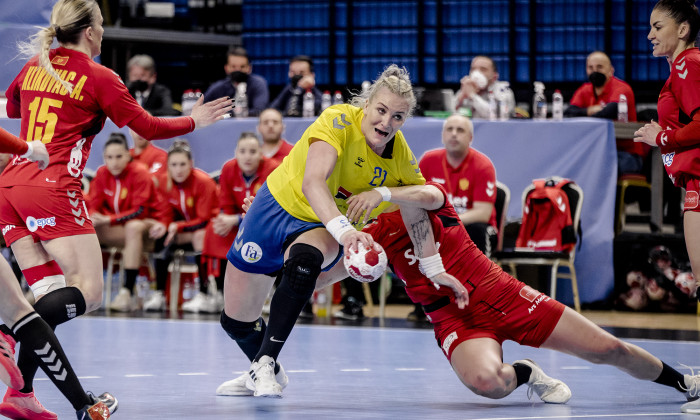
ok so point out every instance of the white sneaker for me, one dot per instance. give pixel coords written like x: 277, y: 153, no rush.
x: 262, y: 379
x: 199, y: 303
x: 237, y: 387
x: 692, y: 407
x: 692, y: 386
x: 156, y: 302
x: 549, y: 390
x: 123, y: 301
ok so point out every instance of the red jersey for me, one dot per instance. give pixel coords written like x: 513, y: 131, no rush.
x: 585, y: 96
x: 283, y: 151
x: 68, y: 122
x: 190, y: 204
x: 131, y: 195
x: 152, y: 158
x: 461, y: 258
x: 678, y: 101
x: 233, y: 189
x: 473, y: 180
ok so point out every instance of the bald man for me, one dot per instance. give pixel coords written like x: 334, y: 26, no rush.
x: 599, y: 98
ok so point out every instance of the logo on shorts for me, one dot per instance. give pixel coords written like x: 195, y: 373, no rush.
x: 251, y: 252
x: 7, y: 229
x: 691, y: 200
x: 528, y: 293
x: 34, y: 224
x: 448, y: 342
x: 541, y: 298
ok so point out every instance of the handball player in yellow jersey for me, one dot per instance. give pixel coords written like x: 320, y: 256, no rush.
x: 297, y: 225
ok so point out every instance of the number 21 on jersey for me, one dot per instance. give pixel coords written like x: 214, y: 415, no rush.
x: 42, y: 122
x: 379, y: 177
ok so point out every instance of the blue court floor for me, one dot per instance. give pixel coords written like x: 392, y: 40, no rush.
x: 169, y: 369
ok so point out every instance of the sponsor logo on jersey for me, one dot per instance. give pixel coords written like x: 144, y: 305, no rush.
x: 359, y: 162
x: 448, y: 342
x: 251, y: 252
x: 535, y: 304
x: 668, y: 158
x: 34, y: 224
x: 691, y: 201
x: 7, y: 229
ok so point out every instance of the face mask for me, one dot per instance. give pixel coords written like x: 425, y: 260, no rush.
x: 138, y: 86
x: 295, y: 80
x: 479, y: 79
x: 597, y: 79
x: 238, y: 77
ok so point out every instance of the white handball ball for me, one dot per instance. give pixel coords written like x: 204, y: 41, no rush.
x: 366, y: 265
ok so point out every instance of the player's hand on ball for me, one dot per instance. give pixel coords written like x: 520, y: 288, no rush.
x: 461, y: 293
x: 352, y: 238
x: 366, y: 264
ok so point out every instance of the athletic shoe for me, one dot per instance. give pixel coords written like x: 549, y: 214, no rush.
x: 351, y: 311
x: 692, y: 407
x: 123, y: 302
x: 17, y: 405
x: 199, y: 303
x: 549, y: 390
x: 692, y: 386
x: 155, y: 303
x: 237, y: 387
x: 9, y: 372
x: 102, y: 407
x: 262, y: 378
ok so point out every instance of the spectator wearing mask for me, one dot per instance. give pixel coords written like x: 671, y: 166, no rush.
x: 599, y: 98
x: 476, y: 86
x: 239, y: 70
x: 152, y: 96
x: 301, y: 78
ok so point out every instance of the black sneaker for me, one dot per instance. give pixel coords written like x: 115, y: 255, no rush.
x: 102, y: 407
x: 352, y: 310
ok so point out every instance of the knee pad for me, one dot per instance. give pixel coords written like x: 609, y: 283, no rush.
x: 241, y: 331
x: 302, y: 269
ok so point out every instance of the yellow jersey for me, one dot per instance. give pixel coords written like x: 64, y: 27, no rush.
x: 357, y: 169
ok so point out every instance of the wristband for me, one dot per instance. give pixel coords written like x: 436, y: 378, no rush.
x: 30, y: 150
x: 431, y: 266
x: 662, y: 138
x: 338, y: 226
x: 385, y: 192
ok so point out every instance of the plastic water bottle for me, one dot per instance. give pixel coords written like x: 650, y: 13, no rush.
x: 493, y: 107
x: 539, y: 102
x: 622, y: 114
x: 557, y: 106
x: 188, y: 101
x: 338, y: 98
x: 325, y: 100
x: 308, y: 105
x: 294, y: 105
x: 323, y: 302
x: 502, y: 101
x: 241, y: 101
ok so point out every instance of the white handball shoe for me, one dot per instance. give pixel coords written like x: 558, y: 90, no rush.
x: 237, y: 387
x: 692, y: 407
x: 262, y: 379
x: 549, y: 390
x: 123, y: 302
x: 155, y: 303
x: 199, y: 303
x: 692, y: 386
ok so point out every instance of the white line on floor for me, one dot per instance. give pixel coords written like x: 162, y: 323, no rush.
x: 356, y: 370
x: 193, y: 374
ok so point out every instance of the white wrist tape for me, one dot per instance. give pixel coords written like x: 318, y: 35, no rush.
x: 431, y: 266
x: 30, y: 150
x: 385, y: 192
x: 338, y: 226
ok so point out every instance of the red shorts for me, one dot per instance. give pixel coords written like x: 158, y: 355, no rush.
x: 43, y: 213
x: 692, y: 194
x: 501, y: 308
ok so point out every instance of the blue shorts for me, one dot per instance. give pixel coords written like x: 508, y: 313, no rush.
x: 264, y: 234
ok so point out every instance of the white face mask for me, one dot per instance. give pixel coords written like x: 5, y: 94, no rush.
x: 479, y: 79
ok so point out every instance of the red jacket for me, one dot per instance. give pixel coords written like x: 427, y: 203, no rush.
x: 127, y: 196
x: 190, y: 204
x: 152, y: 158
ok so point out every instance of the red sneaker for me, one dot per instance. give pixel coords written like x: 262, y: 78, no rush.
x: 9, y: 372
x: 17, y: 405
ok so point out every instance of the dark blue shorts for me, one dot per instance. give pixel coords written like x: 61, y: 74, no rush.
x: 265, y: 232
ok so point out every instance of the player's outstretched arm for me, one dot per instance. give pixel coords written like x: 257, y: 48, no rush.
x: 421, y: 232
x: 426, y: 197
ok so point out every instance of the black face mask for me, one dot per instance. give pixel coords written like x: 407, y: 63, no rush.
x: 597, y: 79
x: 138, y: 86
x: 238, y: 77
x: 295, y: 80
